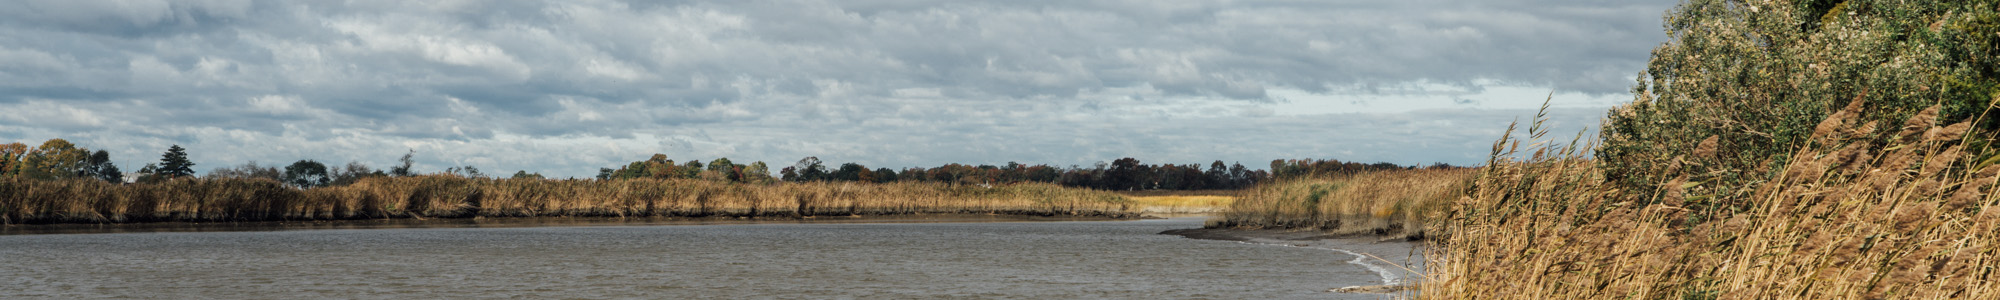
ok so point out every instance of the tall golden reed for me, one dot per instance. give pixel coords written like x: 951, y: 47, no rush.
x: 1846, y: 218
x: 87, y: 201
x: 1383, y: 202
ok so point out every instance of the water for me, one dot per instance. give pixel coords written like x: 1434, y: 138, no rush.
x: 1107, y: 259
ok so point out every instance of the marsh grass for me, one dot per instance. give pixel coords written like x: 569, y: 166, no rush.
x: 442, y: 196
x: 1381, y: 202
x: 1851, y: 217
x: 1184, y: 201
x: 1179, y: 205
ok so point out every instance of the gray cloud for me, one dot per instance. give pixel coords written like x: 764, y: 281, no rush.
x: 565, y: 87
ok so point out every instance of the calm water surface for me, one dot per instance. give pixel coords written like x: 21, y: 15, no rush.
x: 1109, y: 259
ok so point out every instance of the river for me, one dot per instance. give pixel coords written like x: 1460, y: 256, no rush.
x: 1017, y: 260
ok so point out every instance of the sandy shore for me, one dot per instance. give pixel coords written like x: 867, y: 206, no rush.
x: 1400, y: 262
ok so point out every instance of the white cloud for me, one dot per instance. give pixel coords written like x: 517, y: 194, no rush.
x: 565, y: 87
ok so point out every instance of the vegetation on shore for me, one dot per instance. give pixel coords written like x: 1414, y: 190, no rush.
x: 1124, y: 174
x: 1385, y: 202
x: 1808, y: 149
x: 1792, y: 149
x: 1191, y: 204
x: 449, y: 196
x: 1912, y: 219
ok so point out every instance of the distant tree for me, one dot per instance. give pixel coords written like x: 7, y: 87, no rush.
x: 810, y: 169
x: 250, y: 170
x: 99, y: 166
x: 466, y: 171
x: 403, y: 169
x: 1239, y: 177
x: 604, y: 173
x: 885, y: 175
x: 353, y: 172
x: 11, y: 155
x: 757, y: 172
x: 175, y: 164
x: 1124, y: 174
x: 306, y: 173
x: 1218, y: 175
x: 150, y: 174
x: 632, y: 170
x: 55, y: 159
x: 523, y: 174
x: 725, y: 168
x: 913, y: 174
x: 691, y: 169
x: 658, y: 167
x: 789, y: 174
x: 849, y: 172
x: 720, y: 164
x: 1043, y: 173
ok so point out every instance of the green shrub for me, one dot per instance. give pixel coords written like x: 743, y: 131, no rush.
x: 1759, y: 76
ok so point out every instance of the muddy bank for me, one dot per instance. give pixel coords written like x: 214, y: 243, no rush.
x: 1181, y: 210
x: 509, y: 222
x: 1398, y: 260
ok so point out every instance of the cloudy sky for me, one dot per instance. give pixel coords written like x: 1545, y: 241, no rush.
x: 566, y: 87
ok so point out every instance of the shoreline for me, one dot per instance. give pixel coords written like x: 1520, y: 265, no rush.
x: 540, y: 221
x: 1399, y: 260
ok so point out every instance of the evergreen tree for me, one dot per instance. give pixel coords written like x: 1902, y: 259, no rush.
x: 175, y: 164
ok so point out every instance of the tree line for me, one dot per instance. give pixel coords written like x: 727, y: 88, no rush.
x: 1121, y: 174
x: 1295, y: 168
x: 60, y: 159
x: 659, y: 166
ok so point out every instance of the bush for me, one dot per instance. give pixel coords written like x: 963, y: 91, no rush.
x: 1753, y: 80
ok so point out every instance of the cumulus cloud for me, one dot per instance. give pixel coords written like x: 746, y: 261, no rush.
x: 563, y: 87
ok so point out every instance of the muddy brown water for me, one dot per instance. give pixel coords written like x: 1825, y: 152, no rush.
x: 1019, y: 260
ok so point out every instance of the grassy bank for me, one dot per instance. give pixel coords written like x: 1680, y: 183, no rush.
x: 1184, y: 201
x: 1846, y: 219
x: 1181, y: 201
x: 1786, y: 150
x: 199, y: 200
x: 1386, y: 202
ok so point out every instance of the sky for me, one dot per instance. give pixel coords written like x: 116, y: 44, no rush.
x: 563, y: 88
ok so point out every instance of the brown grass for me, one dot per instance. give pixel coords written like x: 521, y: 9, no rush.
x: 1846, y: 218
x: 1157, y: 193
x: 1181, y: 205
x: 1184, y: 201
x: 1386, y: 202
x: 88, y: 201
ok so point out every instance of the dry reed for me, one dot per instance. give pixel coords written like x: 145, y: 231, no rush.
x: 87, y: 201
x: 1845, y: 218
x: 1381, y: 202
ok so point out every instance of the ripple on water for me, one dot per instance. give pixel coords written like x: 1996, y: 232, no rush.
x: 1123, y: 259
